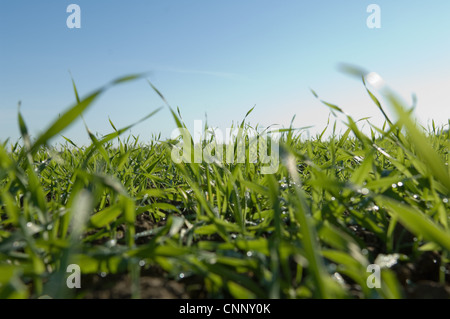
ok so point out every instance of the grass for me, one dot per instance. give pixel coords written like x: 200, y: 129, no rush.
x: 310, y: 230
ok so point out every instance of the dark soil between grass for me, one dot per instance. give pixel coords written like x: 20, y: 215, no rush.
x: 420, y: 278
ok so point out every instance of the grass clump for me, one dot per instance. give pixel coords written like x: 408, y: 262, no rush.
x: 312, y: 229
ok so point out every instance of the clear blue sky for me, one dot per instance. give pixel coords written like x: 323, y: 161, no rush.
x: 219, y: 58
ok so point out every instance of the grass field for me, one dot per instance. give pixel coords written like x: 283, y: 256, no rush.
x: 137, y: 223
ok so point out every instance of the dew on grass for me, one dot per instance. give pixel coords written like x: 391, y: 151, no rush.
x: 167, y: 175
x: 415, y: 196
x: 111, y: 243
x: 212, y: 261
x: 338, y: 277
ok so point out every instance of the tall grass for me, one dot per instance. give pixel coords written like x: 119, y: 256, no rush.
x: 243, y: 234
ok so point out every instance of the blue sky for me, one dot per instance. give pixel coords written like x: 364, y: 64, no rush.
x: 217, y: 57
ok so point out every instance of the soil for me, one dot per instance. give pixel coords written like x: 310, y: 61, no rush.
x: 419, y: 276
x: 154, y: 282
x: 119, y: 287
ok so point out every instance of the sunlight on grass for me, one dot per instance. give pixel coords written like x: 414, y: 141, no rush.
x: 225, y: 229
